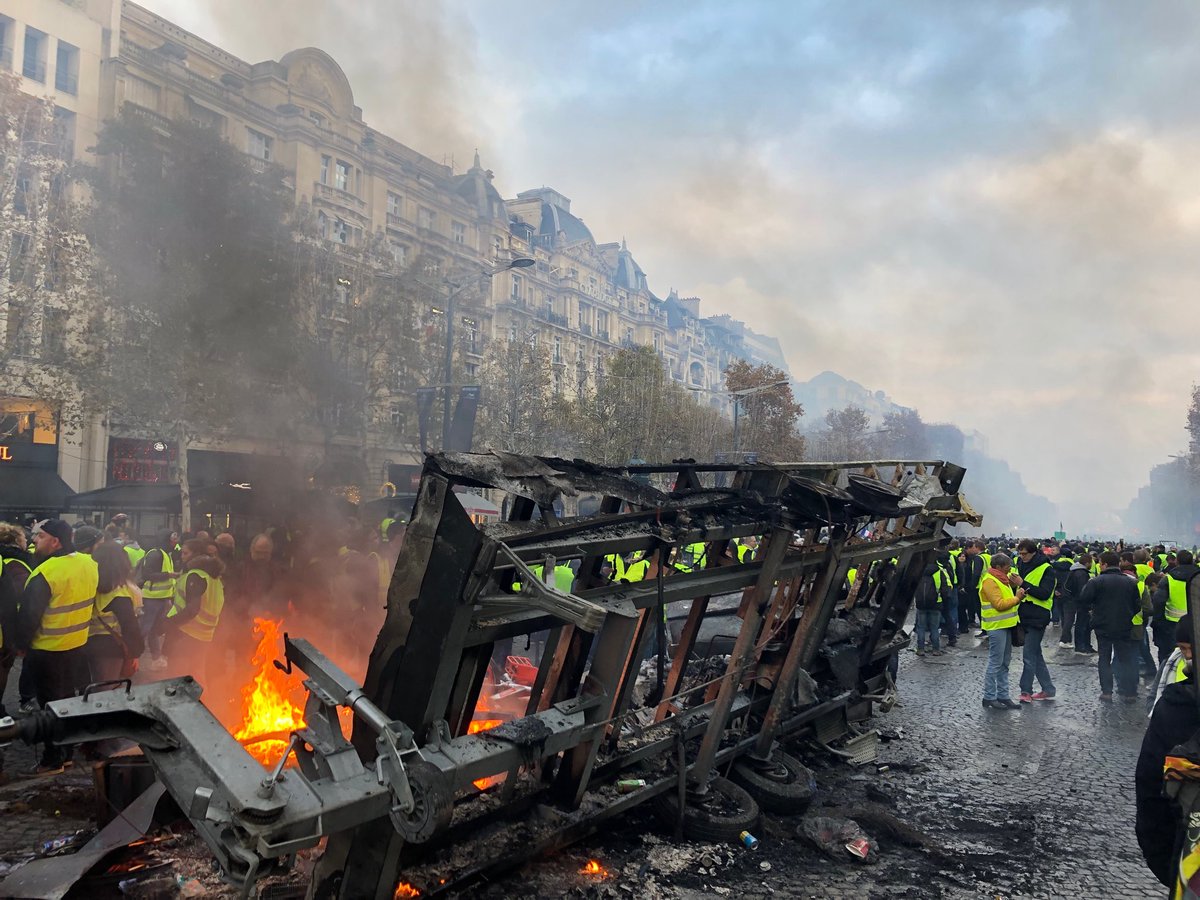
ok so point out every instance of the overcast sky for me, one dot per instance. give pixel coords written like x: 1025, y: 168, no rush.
x: 989, y: 210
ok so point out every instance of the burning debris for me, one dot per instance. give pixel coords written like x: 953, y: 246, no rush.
x: 447, y: 710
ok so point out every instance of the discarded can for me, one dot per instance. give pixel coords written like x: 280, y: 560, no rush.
x: 629, y: 785
x: 749, y: 841
x: 859, y: 847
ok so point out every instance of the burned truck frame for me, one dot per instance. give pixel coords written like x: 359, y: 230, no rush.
x: 400, y: 799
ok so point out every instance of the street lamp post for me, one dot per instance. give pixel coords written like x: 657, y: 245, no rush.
x: 737, y: 404
x: 520, y: 262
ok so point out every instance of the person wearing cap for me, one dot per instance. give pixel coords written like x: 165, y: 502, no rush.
x: 53, y: 621
x: 86, y: 538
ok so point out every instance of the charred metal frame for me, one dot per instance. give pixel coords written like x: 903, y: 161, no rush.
x: 451, y: 600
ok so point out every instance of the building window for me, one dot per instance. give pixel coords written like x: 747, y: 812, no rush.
x: 205, y: 117
x: 400, y: 255
x: 343, y: 232
x: 395, y: 205
x: 326, y: 169
x: 399, y: 420
x: 557, y: 349
x: 7, y: 30
x: 516, y: 287
x: 426, y: 218
x: 322, y: 224
x: 512, y: 333
x: 472, y: 370
x: 34, y: 66
x: 14, y: 328
x: 341, y: 176
x: 54, y: 333
x: 258, y: 144
x: 458, y: 232
x: 66, y: 68
x: 18, y: 256
x: 141, y: 92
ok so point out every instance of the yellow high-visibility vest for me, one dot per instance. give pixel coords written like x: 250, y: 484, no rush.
x: 104, y: 620
x: 160, y: 585
x: 1143, y: 569
x: 73, y: 579
x: 990, y: 619
x: 1176, y: 606
x: 1035, y: 578
x: 203, y: 625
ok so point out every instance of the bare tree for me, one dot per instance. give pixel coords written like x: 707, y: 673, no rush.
x: 845, y: 436
x: 200, y: 264
x: 51, y: 350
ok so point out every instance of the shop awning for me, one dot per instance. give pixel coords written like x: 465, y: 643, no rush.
x: 475, y: 505
x: 129, y: 496
x: 24, y: 490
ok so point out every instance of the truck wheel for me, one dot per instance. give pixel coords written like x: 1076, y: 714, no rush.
x: 724, y: 812
x: 782, y: 784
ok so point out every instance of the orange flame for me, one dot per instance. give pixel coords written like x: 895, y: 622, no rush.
x: 404, y: 889
x: 269, y: 712
x: 594, y: 868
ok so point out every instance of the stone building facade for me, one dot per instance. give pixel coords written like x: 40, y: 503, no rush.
x: 583, y: 298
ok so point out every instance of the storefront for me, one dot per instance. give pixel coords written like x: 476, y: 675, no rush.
x: 30, y: 486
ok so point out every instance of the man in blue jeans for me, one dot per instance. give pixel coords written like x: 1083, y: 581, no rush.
x: 949, y: 571
x: 1036, y: 579
x: 998, y: 616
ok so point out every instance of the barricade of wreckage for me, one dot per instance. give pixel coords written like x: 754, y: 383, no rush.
x: 624, y: 693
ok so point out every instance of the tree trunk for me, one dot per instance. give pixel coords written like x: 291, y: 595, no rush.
x: 185, y: 487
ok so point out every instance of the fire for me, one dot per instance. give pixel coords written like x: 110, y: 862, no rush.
x: 594, y: 869
x: 404, y: 889
x: 269, y: 713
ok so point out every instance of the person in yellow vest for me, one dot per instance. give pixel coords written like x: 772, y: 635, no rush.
x: 1179, y: 664
x: 156, y: 574
x: 14, y: 572
x: 195, y: 610
x: 114, y: 639
x: 1169, y: 602
x: 56, y: 608
x: 1037, y: 580
x: 998, y: 603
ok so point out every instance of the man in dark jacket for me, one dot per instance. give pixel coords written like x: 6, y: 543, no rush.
x: 1164, y: 621
x: 1174, y: 721
x: 1112, y: 599
x: 932, y: 593
x: 1077, y: 622
x: 1037, y: 578
x: 1061, y: 565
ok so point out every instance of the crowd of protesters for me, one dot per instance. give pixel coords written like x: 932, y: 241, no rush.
x: 82, y: 605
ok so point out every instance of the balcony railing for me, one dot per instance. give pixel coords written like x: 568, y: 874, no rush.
x: 585, y: 328
x: 395, y: 220
x: 344, y: 198
x: 603, y: 335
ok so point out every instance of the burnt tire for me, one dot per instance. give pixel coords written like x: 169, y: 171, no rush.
x: 726, y: 812
x: 785, y: 785
x: 433, y: 804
